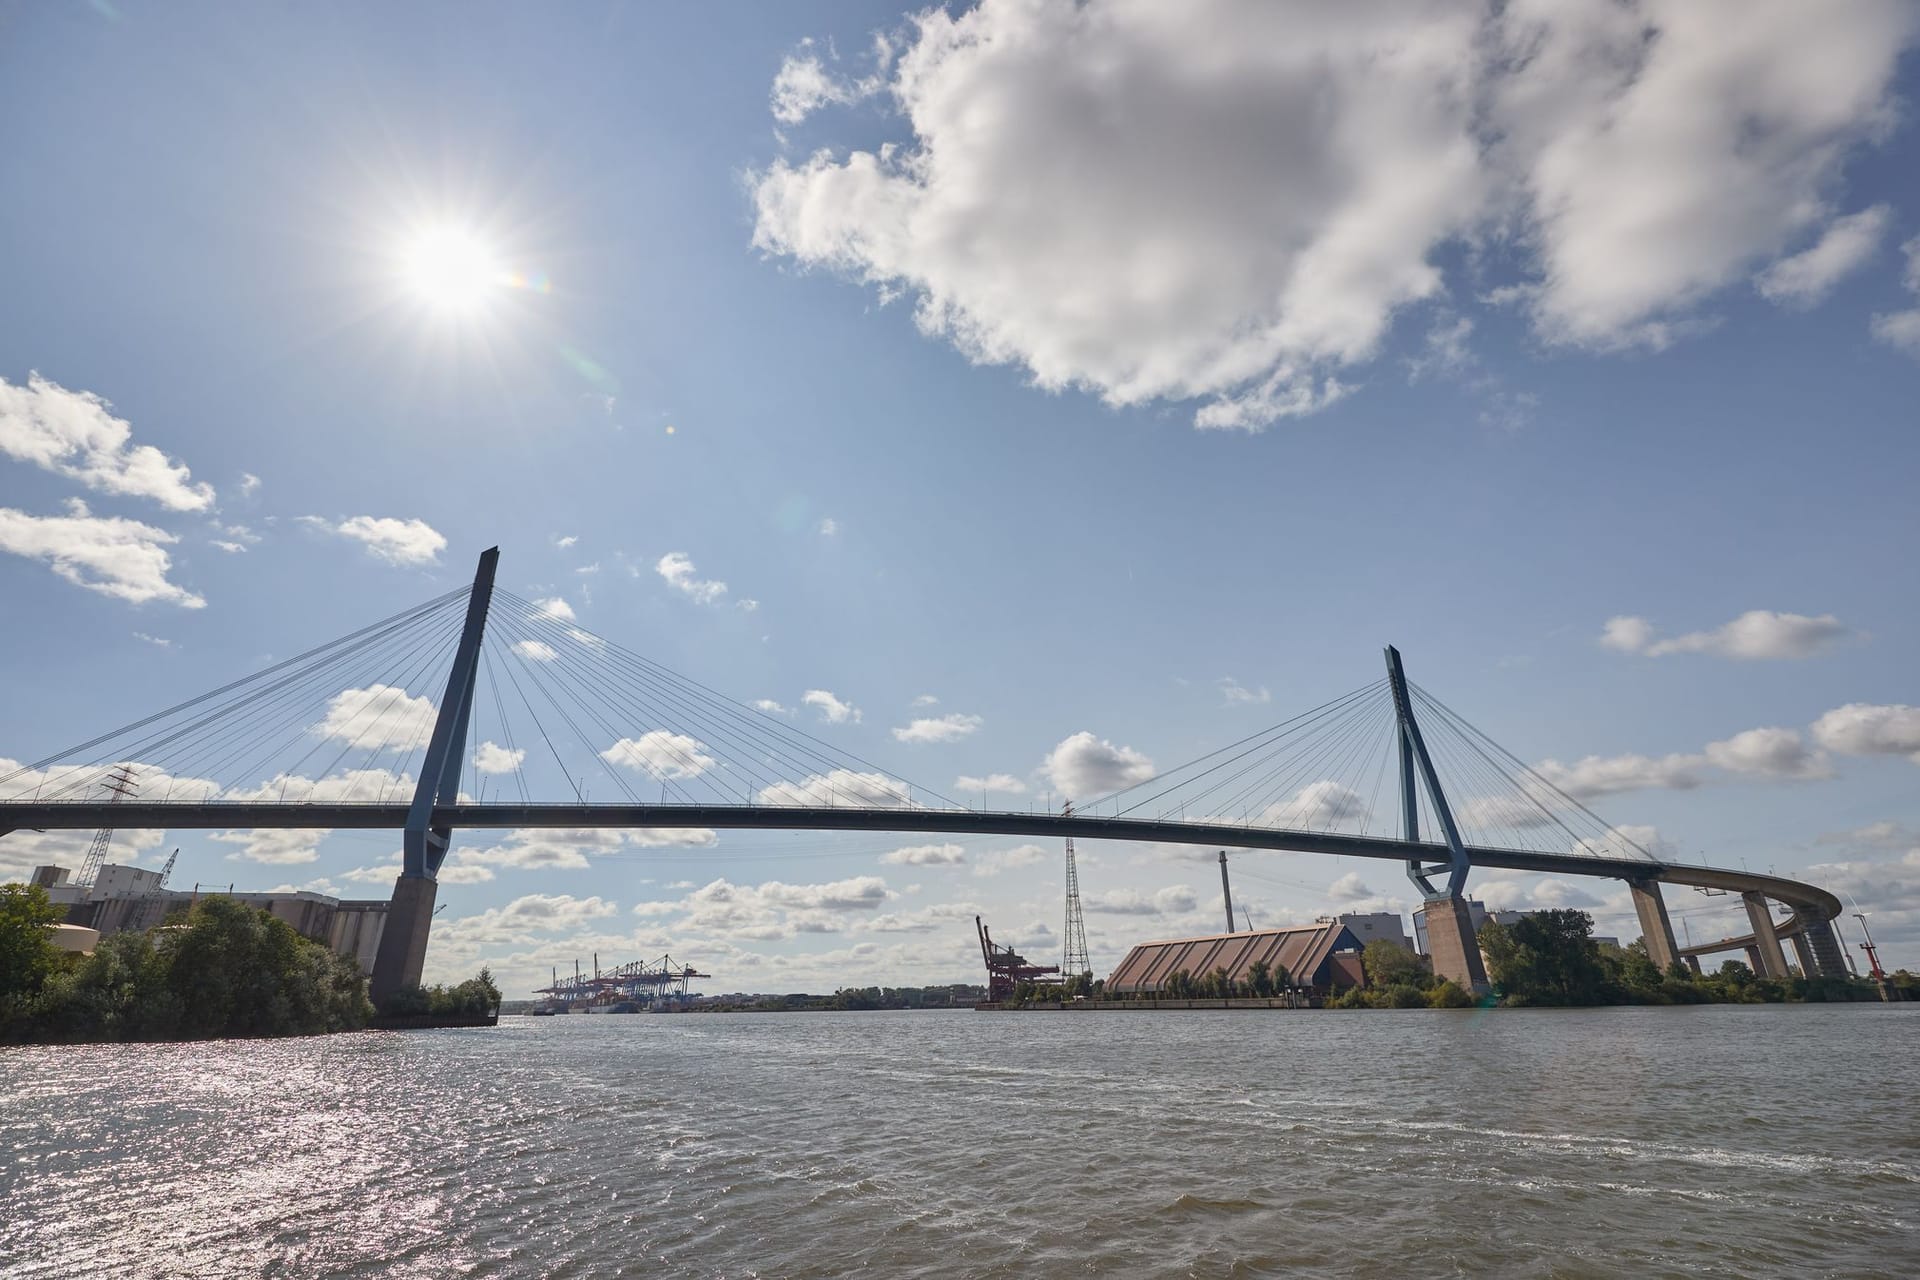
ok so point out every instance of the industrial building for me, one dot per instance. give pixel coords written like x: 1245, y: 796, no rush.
x: 1324, y: 955
x: 125, y: 898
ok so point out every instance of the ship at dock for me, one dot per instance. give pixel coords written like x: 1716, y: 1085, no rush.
x: 643, y: 986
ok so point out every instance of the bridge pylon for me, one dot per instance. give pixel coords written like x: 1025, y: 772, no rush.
x: 402, y: 957
x: 1451, y: 940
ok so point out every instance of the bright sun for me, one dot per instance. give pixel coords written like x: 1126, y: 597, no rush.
x: 451, y: 269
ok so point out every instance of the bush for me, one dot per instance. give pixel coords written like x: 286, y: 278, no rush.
x: 227, y: 970
x: 1448, y: 994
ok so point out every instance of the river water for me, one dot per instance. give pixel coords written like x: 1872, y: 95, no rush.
x: 1757, y: 1140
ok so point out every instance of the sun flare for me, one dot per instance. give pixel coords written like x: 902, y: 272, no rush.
x: 451, y: 269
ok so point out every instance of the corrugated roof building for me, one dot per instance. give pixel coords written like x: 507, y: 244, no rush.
x: 1309, y: 953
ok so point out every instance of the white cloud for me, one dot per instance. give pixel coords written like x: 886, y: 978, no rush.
x: 1349, y: 888
x: 661, y: 754
x: 1863, y: 728
x: 1004, y: 782
x: 803, y: 85
x: 926, y: 700
x: 535, y: 650
x: 1317, y: 805
x: 832, y: 709
x: 1901, y: 329
x: 841, y: 787
x: 947, y: 728
x: 678, y: 571
x: 1083, y: 767
x: 994, y: 861
x: 533, y: 914
x: 1875, y: 835
x: 345, y: 787
x: 387, y: 872
x: 829, y: 527
x: 925, y: 855
x: 249, y: 484
x: 1258, y: 190
x: 1809, y: 276
x: 231, y: 548
x: 1593, y: 776
x: 1755, y: 634
x: 557, y: 609
x: 407, y: 543
x: 1773, y: 753
x: 1637, y: 217
x: 274, y: 847
x: 158, y: 642
x: 567, y: 541
x: 1532, y: 895
x: 74, y: 434
x: 1233, y: 691
x: 771, y: 707
x: 1131, y: 902
x: 115, y: 557
x: 568, y: 848
x: 491, y: 757
x: 746, y: 605
x: 772, y: 910
x: 382, y: 716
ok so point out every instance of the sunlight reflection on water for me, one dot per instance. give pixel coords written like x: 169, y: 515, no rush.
x: 937, y: 1144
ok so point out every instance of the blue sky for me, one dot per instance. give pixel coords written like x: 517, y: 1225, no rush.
x: 1121, y: 357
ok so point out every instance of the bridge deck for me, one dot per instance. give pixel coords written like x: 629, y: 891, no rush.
x: 43, y: 816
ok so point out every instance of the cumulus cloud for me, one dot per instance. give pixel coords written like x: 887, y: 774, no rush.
x: 491, y: 757
x: 771, y: 707
x: 1257, y: 191
x: 1810, y: 275
x: 568, y: 848
x: 535, y: 650
x: 1532, y: 895
x: 1901, y: 329
x: 1755, y: 753
x: 772, y: 910
x: 1317, y: 805
x: 1755, y: 634
x: 661, y: 754
x: 1773, y: 753
x: 115, y: 557
x: 381, y: 716
x: 274, y: 847
x: 1083, y: 767
x: 407, y: 543
x: 1593, y: 776
x: 947, y: 728
x: 847, y: 787
x: 994, y: 861
x: 74, y: 434
x: 1131, y: 902
x: 804, y: 84
x: 1002, y: 782
x: 832, y: 709
x: 1867, y: 729
x: 1349, y: 888
x: 387, y: 872
x: 678, y: 571
x: 556, y: 609
x: 925, y: 855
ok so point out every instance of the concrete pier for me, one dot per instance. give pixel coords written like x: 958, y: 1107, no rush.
x: 1828, y: 960
x: 1656, y: 928
x: 1454, y: 946
x: 1766, y: 942
x: 1804, y: 954
x: 403, y: 943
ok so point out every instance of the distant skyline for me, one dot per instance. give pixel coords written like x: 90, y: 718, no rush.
x: 1017, y: 396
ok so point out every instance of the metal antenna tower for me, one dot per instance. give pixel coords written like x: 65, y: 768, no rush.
x: 120, y: 785
x: 1075, y: 963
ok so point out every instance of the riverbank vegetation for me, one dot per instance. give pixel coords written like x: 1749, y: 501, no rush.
x: 221, y: 969
x: 477, y: 997
x: 1551, y: 958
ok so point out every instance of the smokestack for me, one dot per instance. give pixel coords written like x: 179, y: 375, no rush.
x: 1226, y: 891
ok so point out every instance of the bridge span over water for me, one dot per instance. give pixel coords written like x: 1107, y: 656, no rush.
x: 1296, y: 787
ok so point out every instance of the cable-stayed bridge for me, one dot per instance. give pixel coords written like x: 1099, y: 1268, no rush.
x: 536, y: 714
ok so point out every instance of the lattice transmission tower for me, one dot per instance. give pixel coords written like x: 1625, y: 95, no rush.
x: 1074, y: 964
x: 120, y: 785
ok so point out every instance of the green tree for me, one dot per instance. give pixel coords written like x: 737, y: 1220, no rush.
x: 1546, y: 958
x: 1260, y: 978
x: 1448, y: 994
x: 27, y: 954
x: 1387, y: 963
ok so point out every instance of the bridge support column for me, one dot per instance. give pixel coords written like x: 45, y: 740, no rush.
x: 402, y: 958
x: 1773, y: 961
x: 1656, y: 928
x: 1452, y: 943
x: 1804, y: 954
x: 1753, y: 960
x: 1693, y: 963
x: 1828, y: 960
